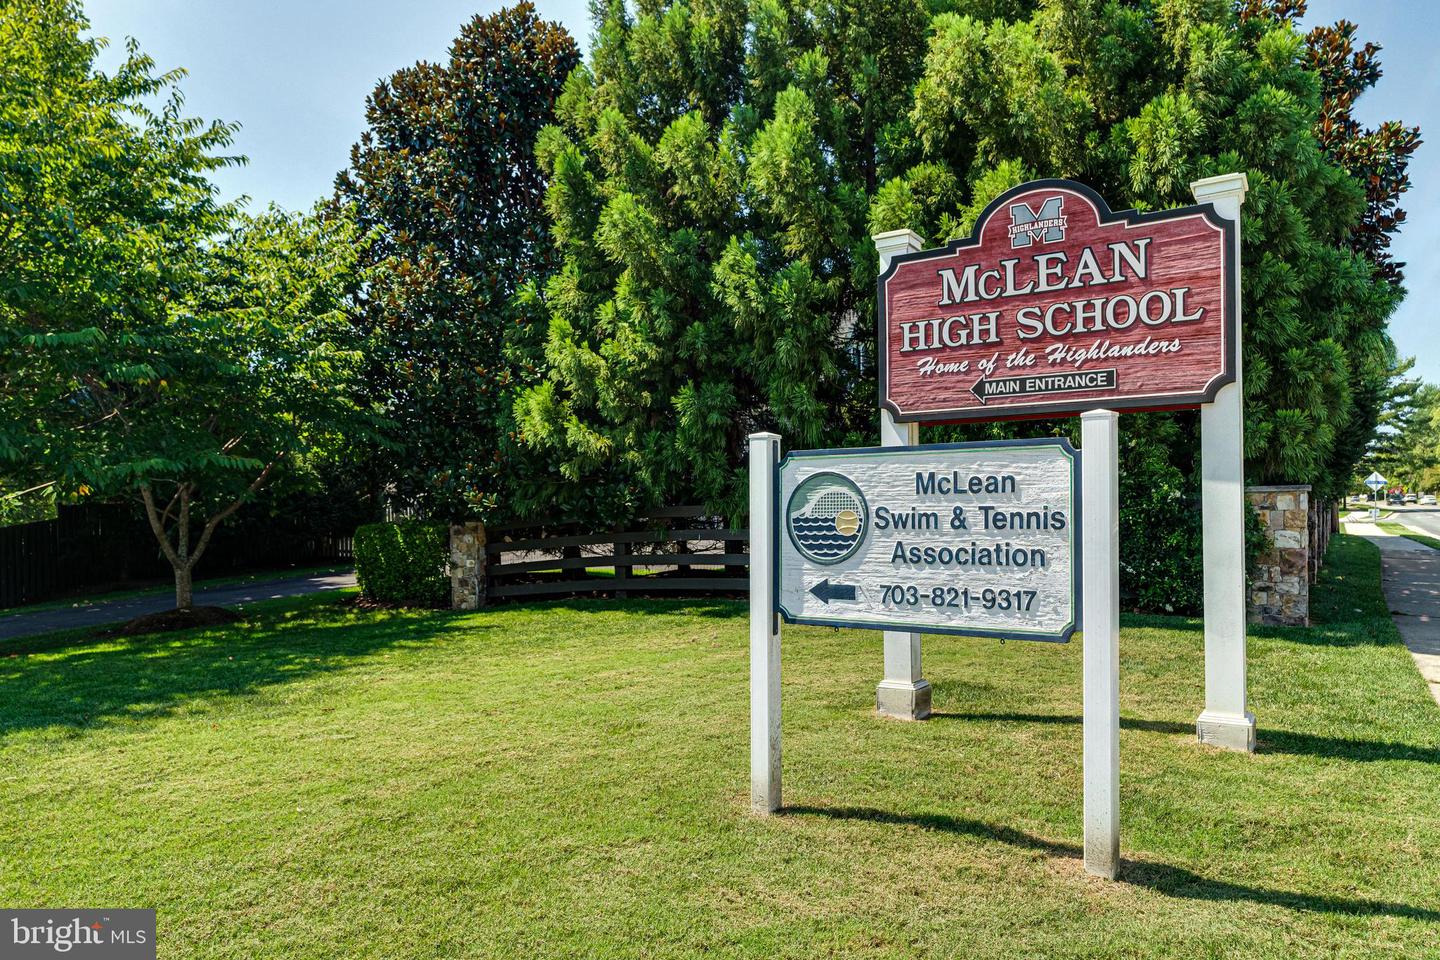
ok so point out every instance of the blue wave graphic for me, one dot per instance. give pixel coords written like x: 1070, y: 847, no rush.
x: 819, y: 536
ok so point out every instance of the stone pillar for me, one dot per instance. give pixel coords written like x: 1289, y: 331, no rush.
x: 467, y: 565
x: 1280, y: 591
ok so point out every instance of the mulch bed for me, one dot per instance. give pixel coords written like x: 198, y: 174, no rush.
x: 177, y: 620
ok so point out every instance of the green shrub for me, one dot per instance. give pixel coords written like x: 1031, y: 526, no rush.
x: 1162, y: 567
x: 404, y: 562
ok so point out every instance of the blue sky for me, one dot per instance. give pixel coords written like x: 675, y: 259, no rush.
x: 295, y: 75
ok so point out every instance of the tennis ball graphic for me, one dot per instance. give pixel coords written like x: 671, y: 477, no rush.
x: 847, y: 522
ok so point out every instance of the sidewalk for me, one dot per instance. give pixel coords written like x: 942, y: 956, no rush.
x: 1411, y: 581
x: 117, y: 611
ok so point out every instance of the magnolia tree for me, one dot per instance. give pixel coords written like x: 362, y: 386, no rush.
x: 445, y: 185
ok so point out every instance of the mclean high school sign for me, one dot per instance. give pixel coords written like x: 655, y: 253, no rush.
x: 1056, y: 305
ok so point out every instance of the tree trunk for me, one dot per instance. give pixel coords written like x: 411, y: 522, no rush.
x: 182, y: 558
x: 183, y: 588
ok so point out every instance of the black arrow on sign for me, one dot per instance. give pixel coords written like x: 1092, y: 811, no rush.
x: 825, y: 591
x: 979, y: 389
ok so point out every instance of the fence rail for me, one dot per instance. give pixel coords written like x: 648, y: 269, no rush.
x: 673, y: 550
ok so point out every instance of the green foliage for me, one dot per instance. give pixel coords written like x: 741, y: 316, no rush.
x: 403, y: 562
x: 1139, y: 101
x: 712, y: 211
x: 1407, y: 451
x: 26, y: 506
x: 153, y: 343
x: 709, y: 181
x: 445, y: 187
x: 102, y: 202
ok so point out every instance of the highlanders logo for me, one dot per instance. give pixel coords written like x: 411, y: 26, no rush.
x: 1047, y: 225
x: 827, y: 518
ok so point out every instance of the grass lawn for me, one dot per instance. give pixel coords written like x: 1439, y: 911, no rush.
x: 1399, y: 529
x: 570, y: 779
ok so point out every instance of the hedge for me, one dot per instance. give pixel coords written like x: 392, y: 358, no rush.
x: 404, y: 562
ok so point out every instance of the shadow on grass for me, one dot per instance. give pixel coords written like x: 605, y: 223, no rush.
x: 1267, y: 741
x: 709, y: 607
x: 156, y: 674
x: 1162, y: 878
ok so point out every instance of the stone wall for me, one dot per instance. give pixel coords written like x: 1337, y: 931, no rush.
x: 1280, y: 589
x: 467, y: 565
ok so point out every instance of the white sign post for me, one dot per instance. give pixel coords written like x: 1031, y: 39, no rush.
x: 903, y: 693
x: 1226, y: 720
x: 1100, y: 513
x: 764, y: 629
x: 1376, y: 483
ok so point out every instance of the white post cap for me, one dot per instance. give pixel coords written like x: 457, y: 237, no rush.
x: 1226, y: 185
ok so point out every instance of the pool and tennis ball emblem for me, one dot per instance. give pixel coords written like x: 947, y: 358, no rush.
x: 827, y: 518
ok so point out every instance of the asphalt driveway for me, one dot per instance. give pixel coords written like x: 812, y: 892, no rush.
x: 97, y: 614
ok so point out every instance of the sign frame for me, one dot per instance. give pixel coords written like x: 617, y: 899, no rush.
x: 1154, y: 402
x: 1076, y: 525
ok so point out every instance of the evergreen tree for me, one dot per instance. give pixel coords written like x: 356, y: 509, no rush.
x: 711, y: 173
x: 1140, y: 99
x: 446, y: 191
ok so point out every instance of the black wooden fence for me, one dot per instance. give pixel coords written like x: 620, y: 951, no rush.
x: 674, y: 550
x: 83, y: 546
x: 99, y: 546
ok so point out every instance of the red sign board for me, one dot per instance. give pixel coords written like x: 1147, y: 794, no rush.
x: 1056, y: 305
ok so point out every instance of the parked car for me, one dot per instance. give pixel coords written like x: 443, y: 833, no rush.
x: 1396, y: 499
x: 1411, y: 498
x: 1428, y: 500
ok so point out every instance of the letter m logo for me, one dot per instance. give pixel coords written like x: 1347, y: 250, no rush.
x: 1045, y: 225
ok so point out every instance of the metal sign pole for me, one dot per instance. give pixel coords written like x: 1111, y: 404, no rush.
x: 764, y: 628
x: 1100, y: 619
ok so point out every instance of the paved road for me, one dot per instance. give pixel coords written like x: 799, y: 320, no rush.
x: 118, y: 611
x: 1421, y: 518
x: 1411, y: 580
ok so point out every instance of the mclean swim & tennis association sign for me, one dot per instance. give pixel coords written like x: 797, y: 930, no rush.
x: 1056, y: 305
x: 970, y: 538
